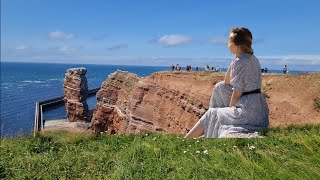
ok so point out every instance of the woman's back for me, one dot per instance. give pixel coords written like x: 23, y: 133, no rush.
x: 246, y: 73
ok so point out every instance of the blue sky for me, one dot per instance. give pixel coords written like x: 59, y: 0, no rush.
x: 162, y: 32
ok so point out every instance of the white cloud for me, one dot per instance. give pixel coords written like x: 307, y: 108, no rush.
x: 293, y: 59
x: 21, y: 48
x: 118, y: 46
x: 67, y: 49
x: 75, y: 54
x: 174, y: 39
x: 294, y: 62
x: 60, y: 35
x: 217, y: 41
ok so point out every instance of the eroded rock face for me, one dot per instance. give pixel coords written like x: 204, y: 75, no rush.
x: 172, y: 102
x: 75, y: 94
x: 168, y: 102
x: 110, y: 111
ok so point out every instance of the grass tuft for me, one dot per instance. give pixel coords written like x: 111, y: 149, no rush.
x: 316, y: 103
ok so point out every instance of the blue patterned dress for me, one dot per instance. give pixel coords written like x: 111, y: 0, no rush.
x: 250, y: 113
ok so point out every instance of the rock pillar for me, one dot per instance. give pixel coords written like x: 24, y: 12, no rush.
x: 75, y: 94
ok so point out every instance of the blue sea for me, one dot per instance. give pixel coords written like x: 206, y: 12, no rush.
x: 23, y: 84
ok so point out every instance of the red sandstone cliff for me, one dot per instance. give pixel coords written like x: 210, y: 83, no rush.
x: 75, y: 94
x: 172, y: 102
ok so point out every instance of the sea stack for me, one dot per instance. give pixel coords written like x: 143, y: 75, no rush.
x: 75, y: 94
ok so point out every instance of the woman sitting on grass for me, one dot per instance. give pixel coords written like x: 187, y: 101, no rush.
x: 237, y: 106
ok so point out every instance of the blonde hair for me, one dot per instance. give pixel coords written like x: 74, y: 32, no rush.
x: 242, y: 37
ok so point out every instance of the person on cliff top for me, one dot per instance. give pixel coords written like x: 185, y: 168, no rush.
x: 207, y: 67
x: 172, y: 67
x: 178, y: 68
x: 285, y: 69
x: 237, y: 105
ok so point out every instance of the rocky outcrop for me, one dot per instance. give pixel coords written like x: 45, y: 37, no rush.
x: 161, y: 102
x: 75, y: 94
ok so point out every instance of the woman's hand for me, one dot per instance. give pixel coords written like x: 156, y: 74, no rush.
x: 235, y: 98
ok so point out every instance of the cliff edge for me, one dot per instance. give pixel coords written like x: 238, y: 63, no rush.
x: 172, y: 102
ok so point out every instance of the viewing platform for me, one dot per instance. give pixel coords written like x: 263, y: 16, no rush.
x: 40, y: 124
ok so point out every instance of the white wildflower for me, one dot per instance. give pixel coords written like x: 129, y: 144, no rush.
x: 154, y: 138
x: 146, y: 134
x: 190, y: 145
x: 205, y: 152
x: 251, y: 147
x: 234, y: 146
x: 184, y: 151
x: 197, y: 141
x: 101, y: 132
x: 197, y: 152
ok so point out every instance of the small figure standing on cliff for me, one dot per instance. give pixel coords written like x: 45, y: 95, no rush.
x: 237, y: 107
x: 207, y: 67
x: 285, y: 69
x: 178, y: 68
x: 172, y: 67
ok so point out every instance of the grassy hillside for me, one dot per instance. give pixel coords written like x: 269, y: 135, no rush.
x: 291, y: 153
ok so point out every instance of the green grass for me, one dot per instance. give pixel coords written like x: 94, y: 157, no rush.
x: 291, y: 153
x: 316, y: 103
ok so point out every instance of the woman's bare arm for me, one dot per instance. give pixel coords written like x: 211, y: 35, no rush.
x: 227, y: 77
x: 234, y: 98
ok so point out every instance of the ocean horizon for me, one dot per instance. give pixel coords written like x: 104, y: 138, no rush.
x: 25, y: 83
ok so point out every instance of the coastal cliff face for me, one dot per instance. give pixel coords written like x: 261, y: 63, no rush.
x: 162, y: 102
x: 75, y: 94
x: 172, y: 102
